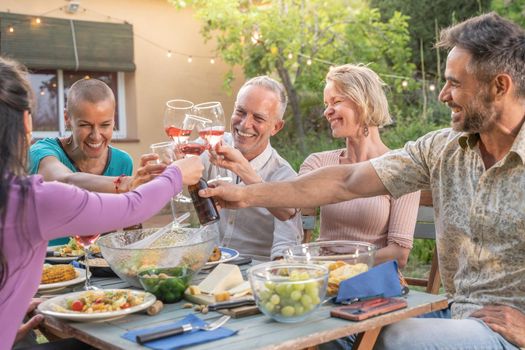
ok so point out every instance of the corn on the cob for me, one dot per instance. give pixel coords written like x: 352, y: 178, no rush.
x: 58, y: 273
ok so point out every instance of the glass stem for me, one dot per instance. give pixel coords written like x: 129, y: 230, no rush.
x: 87, y: 284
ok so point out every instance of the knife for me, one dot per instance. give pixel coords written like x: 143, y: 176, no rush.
x: 144, y: 338
x: 231, y: 304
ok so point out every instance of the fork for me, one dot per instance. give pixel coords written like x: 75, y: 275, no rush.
x: 144, y: 338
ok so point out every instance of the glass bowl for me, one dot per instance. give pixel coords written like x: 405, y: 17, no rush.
x: 344, y: 259
x: 288, y: 292
x: 187, y: 248
x: 167, y: 284
x: 351, y: 252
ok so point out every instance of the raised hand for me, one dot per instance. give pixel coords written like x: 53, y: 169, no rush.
x: 226, y: 195
x: 504, y: 320
x: 148, y: 170
x: 191, y: 169
x: 228, y: 157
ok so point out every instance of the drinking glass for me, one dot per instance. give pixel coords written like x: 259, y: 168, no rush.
x: 166, y: 153
x: 214, y: 112
x: 86, y: 242
x: 195, y: 142
x: 175, y: 112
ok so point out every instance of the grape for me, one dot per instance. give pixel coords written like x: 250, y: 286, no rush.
x: 275, y: 299
x: 296, y: 295
x: 306, y: 300
x: 288, y: 311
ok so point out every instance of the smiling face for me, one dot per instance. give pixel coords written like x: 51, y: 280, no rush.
x: 341, y: 112
x: 92, y: 127
x: 469, y: 99
x: 255, y: 119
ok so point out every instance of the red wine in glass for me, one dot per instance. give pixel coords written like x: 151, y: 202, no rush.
x: 213, y: 136
x: 177, y: 134
x: 193, y: 148
x: 86, y: 241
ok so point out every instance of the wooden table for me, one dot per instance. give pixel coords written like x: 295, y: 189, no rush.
x: 255, y: 332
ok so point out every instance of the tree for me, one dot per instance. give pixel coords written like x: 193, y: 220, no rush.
x: 299, y: 39
x: 426, y: 18
x: 513, y: 10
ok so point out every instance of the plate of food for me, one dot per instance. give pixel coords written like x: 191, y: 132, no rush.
x: 226, y: 254
x: 97, y: 305
x: 68, y: 252
x: 60, y: 276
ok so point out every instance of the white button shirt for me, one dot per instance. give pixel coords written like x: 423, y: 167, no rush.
x: 255, y: 231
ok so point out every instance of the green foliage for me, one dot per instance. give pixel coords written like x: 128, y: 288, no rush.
x: 280, y: 37
x: 426, y: 18
x: 512, y: 10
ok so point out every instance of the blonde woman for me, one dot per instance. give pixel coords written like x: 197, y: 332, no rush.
x: 356, y: 107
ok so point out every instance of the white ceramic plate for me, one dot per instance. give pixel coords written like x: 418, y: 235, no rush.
x: 227, y: 254
x: 60, y: 259
x: 81, y: 277
x: 48, y: 307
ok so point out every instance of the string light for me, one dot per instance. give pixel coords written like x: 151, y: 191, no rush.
x: 212, y: 61
x: 432, y: 87
x: 190, y: 59
x: 169, y: 54
x: 38, y: 20
x: 404, y: 83
x: 11, y: 29
x: 290, y: 56
x: 309, y: 61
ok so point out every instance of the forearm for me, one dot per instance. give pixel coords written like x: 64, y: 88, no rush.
x: 90, y: 182
x: 324, y: 186
x: 66, y: 209
x: 392, y: 252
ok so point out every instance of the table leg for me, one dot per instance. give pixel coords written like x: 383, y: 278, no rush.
x: 366, y: 340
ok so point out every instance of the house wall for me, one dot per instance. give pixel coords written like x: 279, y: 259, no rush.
x: 157, y: 78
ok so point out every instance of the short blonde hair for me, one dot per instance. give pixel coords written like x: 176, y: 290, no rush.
x: 365, y: 88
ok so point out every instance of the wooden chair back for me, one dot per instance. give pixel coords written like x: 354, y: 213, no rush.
x: 425, y: 229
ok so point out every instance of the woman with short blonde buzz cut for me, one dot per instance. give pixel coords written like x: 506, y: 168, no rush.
x: 356, y: 106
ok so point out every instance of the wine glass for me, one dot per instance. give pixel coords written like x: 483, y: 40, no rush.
x: 214, y: 112
x: 86, y: 242
x: 174, y: 114
x: 195, y: 142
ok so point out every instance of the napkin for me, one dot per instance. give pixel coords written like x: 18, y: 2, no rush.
x: 181, y: 340
x: 381, y: 280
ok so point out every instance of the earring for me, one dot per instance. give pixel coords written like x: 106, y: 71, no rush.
x: 365, y: 131
x: 69, y: 140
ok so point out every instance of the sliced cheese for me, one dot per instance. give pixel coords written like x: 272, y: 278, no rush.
x: 243, y: 288
x: 222, y: 278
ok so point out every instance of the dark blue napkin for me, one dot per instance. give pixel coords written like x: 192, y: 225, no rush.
x: 181, y: 340
x: 381, y: 280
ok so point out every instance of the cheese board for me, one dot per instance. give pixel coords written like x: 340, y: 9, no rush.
x: 236, y: 312
x: 224, y: 284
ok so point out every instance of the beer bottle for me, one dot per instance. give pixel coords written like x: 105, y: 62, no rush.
x: 205, y: 207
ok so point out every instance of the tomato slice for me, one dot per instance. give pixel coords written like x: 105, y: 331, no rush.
x: 77, y: 305
x: 125, y: 306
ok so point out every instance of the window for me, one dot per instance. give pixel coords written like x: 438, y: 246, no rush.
x: 51, y: 88
x: 62, y: 51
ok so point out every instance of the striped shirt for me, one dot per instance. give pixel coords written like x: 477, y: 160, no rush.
x: 380, y: 220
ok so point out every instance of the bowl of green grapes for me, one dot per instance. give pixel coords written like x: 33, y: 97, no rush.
x: 288, y: 292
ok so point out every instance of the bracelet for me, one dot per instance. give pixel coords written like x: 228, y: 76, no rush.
x: 117, y: 182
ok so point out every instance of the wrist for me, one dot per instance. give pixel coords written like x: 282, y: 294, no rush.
x: 122, y: 184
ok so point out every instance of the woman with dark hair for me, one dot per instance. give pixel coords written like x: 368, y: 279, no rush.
x: 33, y: 212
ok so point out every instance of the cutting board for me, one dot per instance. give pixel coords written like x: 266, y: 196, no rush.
x: 236, y: 312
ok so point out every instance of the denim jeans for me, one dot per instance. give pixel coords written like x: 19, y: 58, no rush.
x: 436, y: 330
